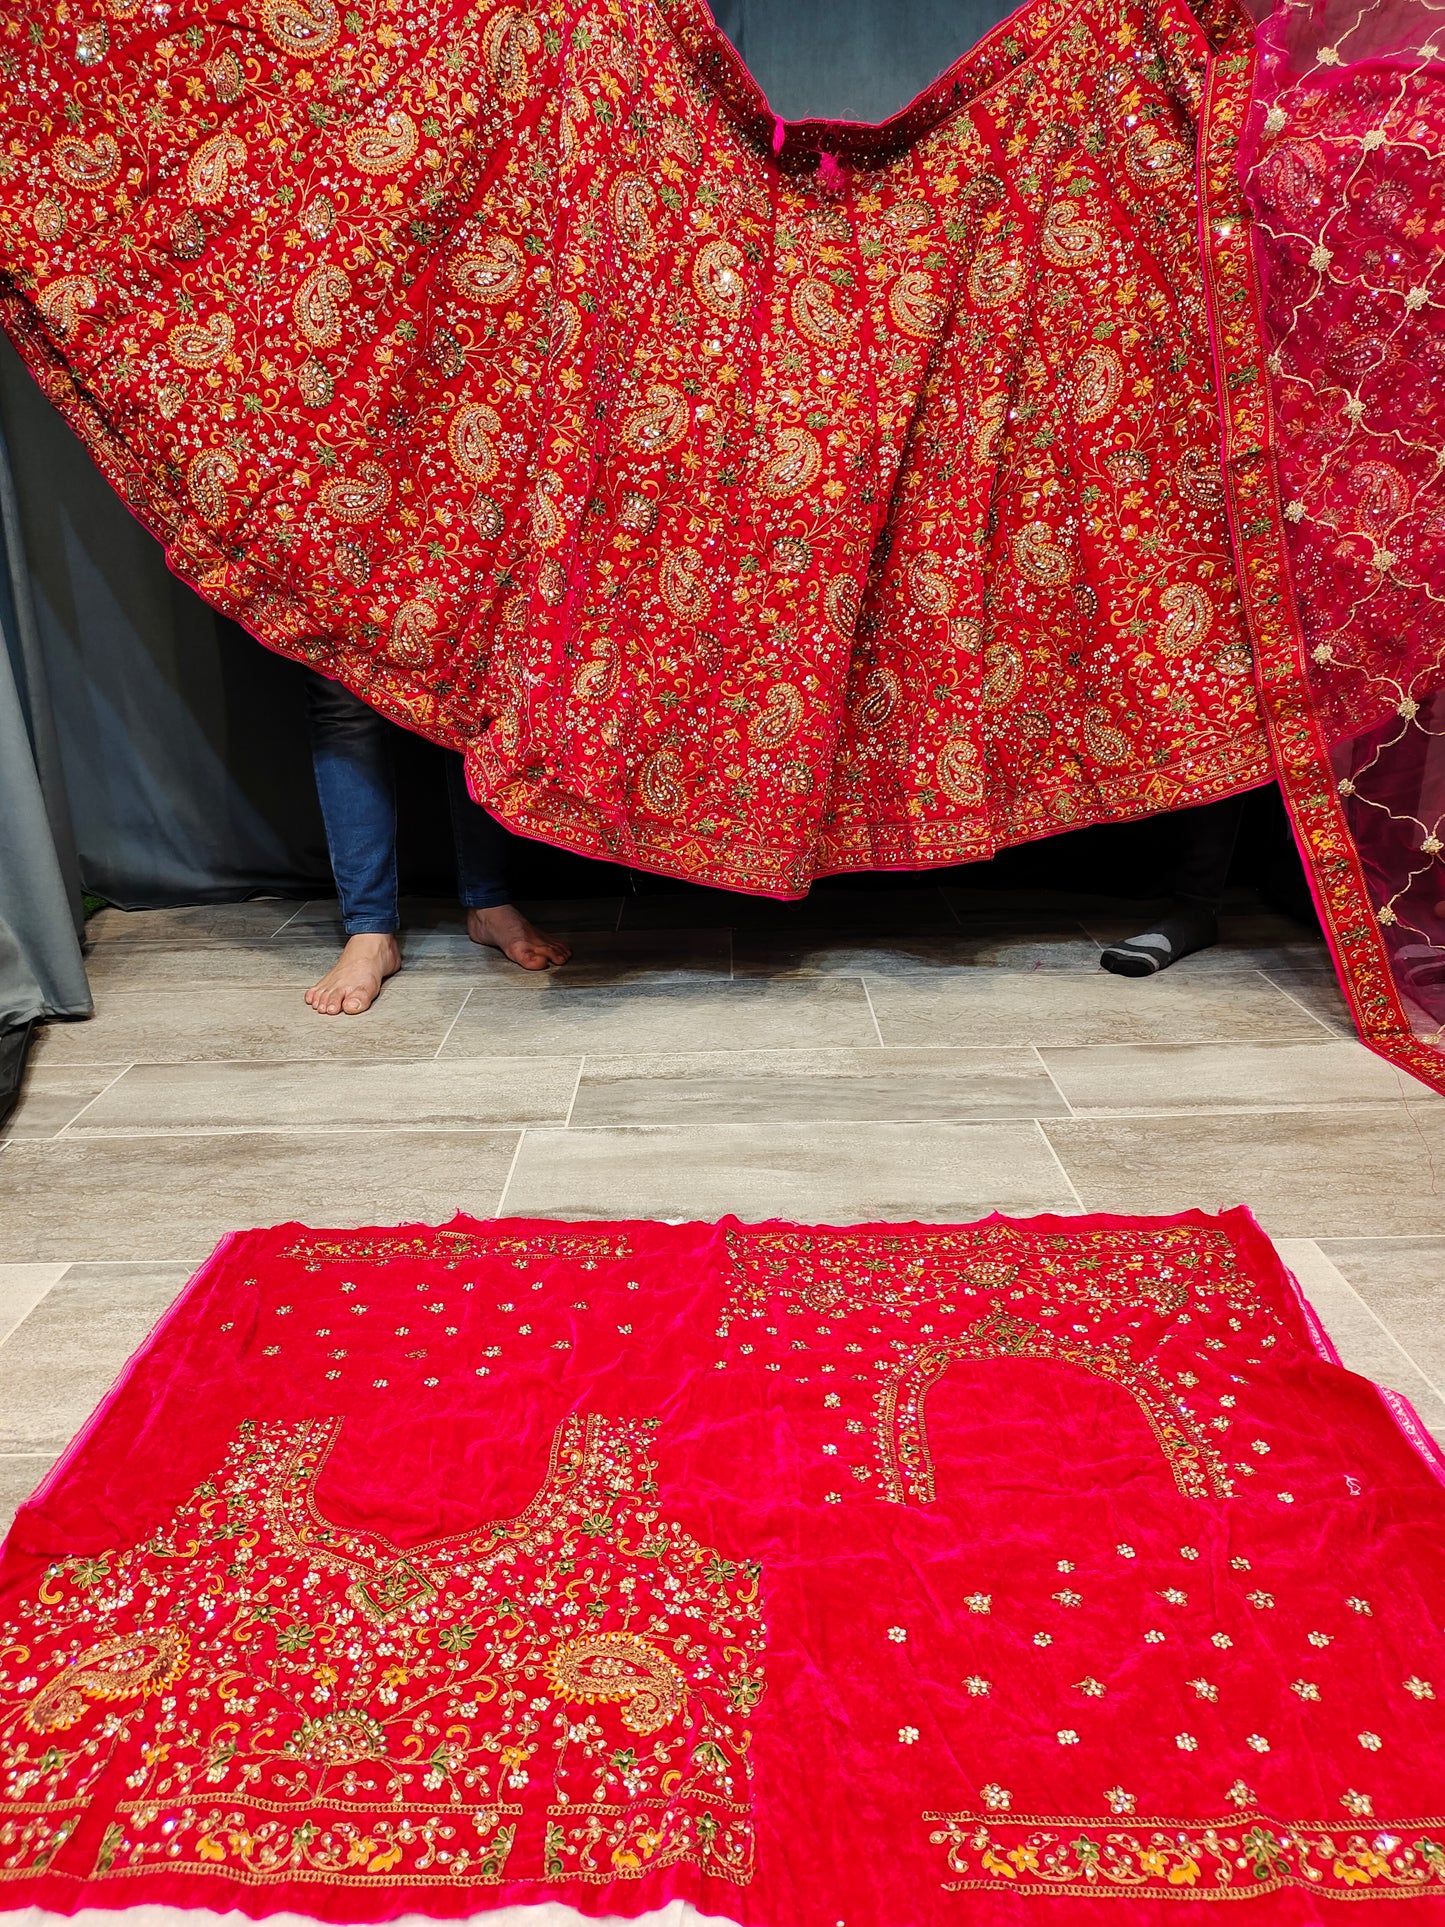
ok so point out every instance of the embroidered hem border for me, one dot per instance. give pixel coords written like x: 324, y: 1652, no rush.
x: 1239, y: 1858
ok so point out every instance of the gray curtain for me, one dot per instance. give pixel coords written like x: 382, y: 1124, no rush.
x: 41, y: 974
x: 851, y: 59
x: 181, y: 741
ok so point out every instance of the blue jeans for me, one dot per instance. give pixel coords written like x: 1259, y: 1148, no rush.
x: 351, y: 751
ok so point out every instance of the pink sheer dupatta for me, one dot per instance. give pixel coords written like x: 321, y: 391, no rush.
x: 1343, y: 166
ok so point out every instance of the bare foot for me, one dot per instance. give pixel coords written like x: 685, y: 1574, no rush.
x: 504, y: 928
x: 354, y: 981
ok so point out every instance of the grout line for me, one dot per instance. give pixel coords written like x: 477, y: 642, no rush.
x: 1038, y: 1124
x: 1314, y: 1019
x: 1370, y: 1311
x: 507, y: 1181
x: 436, y: 1054
x: 1044, y: 1066
x: 94, y: 1100
x: 877, y: 1028
x: 567, y: 1121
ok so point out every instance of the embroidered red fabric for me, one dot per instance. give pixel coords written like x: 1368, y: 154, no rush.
x: 742, y: 517
x: 800, y: 1573
x: 753, y: 501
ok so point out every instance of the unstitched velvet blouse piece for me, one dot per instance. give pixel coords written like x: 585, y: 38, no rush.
x: 894, y: 1574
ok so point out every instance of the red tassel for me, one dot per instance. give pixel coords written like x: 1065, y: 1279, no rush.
x: 780, y: 134
x: 830, y: 173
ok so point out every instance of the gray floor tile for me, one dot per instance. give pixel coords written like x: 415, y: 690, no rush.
x: 833, y: 1173
x: 1316, y: 990
x: 300, y: 955
x: 192, y: 923
x: 21, y: 1289
x: 409, y: 1019
x: 1402, y: 1280
x: 132, y: 1198
x: 259, y: 962
x: 60, y: 1361
x: 1304, y: 1173
x: 598, y: 957
x: 50, y: 1098
x: 1105, y: 1079
x: 1030, y: 944
x: 474, y: 1093
x: 741, y: 1087
x: 1045, y: 1007
x: 1366, y: 1345
x: 19, y: 1477
x: 841, y: 908
x: 421, y: 916
x: 554, y: 1017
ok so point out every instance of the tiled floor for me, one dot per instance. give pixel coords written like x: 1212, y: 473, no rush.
x: 910, y: 1053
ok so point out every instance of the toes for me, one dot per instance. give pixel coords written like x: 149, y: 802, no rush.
x: 354, y: 1002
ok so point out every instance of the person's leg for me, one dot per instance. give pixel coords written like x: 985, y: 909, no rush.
x: 492, y: 918
x: 1207, y: 839
x: 351, y: 755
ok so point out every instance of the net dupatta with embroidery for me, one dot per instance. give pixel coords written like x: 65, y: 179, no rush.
x: 1342, y: 171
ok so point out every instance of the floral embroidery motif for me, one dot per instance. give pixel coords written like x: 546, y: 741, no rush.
x: 1166, y: 1859
x: 356, y: 1714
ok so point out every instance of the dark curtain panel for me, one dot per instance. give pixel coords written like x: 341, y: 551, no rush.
x: 182, y: 740
x: 851, y: 59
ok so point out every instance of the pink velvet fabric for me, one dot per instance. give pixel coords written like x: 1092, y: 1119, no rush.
x: 887, y: 1575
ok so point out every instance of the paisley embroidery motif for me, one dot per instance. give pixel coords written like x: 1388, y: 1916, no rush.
x: 620, y: 1666
x: 209, y: 170
x: 208, y: 477
x: 779, y: 717
x: 305, y: 28
x: 683, y: 588
x: 1187, y: 618
x: 132, y: 1666
x: 471, y: 437
x: 816, y: 318
x: 958, y: 773
x: 995, y: 278
x: 384, y: 149
x: 64, y: 302
x: 1154, y: 158
x: 512, y: 37
x: 317, y: 307
x: 795, y: 464
x: 915, y: 307
x: 1068, y: 240
x: 632, y: 200
x: 411, y: 627
x: 1098, y: 382
x: 660, y: 424
x: 90, y: 164
x: 717, y: 276
x: 491, y: 272
x: 1039, y: 557
x: 202, y: 344
x: 357, y: 498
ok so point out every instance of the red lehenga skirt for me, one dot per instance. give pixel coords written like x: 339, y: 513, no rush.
x: 749, y: 501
